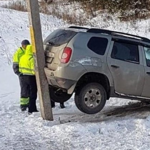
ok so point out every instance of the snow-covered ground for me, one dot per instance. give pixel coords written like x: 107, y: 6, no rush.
x: 116, y: 127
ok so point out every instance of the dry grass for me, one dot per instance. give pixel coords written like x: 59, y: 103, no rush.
x: 16, y: 5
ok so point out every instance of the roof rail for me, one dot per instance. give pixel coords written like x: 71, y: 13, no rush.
x: 78, y: 27
x: 95, y: 30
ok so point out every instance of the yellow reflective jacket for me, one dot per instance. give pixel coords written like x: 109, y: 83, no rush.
x: 16, y: 59
x: 26, y: 64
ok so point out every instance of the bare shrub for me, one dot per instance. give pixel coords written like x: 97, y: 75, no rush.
x: 71, y: 17
x: 48, y: 1
x: 22, y: 6
x: 16, y: 5
x: 43, y: 7
x: 51, y: 9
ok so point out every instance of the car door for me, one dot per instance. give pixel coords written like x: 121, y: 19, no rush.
x: 125, y: 66
x: 146, y: 88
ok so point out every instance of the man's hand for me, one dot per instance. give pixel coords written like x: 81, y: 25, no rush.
x: 20, y: 74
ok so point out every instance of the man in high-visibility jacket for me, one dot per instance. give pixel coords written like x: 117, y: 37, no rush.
x: 16, y: 59
x: 28, y: 80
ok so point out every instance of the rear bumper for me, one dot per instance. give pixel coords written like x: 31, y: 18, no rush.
x: 57, y: 81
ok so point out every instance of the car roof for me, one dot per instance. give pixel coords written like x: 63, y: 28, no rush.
x: 114, y: 34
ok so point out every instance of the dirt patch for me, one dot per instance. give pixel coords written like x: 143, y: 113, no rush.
x: 130, y: 109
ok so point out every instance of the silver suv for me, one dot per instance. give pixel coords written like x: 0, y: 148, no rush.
x: 96, y: 64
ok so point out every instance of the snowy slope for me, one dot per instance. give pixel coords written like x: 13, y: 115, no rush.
x: 122, y: 129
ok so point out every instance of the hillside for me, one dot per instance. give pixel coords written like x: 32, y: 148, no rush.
x: 121, y: 125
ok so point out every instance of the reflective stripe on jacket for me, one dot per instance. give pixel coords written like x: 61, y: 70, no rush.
x: 16, y: 58
x: 26, y: 64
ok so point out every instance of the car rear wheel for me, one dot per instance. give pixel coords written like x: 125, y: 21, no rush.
x: 91, y: 98
x: 58, y: 96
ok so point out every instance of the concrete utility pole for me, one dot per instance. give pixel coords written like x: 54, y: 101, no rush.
x: 37, y: 43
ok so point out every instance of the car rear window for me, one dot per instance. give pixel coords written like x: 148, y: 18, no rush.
x: 59, y: 37
x: 98, y: 45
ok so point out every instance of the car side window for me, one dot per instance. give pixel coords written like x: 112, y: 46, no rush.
x: 147, y: 55
x: 125, y: 51
x: 98, y: 45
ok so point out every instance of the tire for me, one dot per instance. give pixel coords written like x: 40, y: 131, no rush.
x: 91, y: 98
x: 58, y: 96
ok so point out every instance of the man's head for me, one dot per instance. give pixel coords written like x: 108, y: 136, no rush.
x: 24, y: 43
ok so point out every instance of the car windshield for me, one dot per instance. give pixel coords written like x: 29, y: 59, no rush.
x: 59, y: 37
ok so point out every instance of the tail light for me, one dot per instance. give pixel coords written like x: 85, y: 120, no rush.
x: 66, y: 55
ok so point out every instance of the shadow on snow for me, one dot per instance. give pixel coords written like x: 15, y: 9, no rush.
x: 110, y: 113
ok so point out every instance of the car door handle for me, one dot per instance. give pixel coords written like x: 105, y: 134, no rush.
x: 148, y: 73
x: 114, y: 66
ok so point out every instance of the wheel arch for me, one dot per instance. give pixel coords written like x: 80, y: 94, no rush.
x: 94, y: 77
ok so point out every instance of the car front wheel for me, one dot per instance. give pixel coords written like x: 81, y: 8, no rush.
x: 91, y: 98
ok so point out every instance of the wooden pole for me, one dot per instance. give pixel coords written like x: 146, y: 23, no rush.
x: 37, y: 43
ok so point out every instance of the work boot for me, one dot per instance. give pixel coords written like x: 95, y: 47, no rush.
x: 23, y: 107
x: 35, y: 110
x: 29, y: 113
x: 62, y: 105
x: 32, y: 109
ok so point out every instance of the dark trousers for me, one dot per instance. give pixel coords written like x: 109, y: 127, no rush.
x: 29, y: 89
